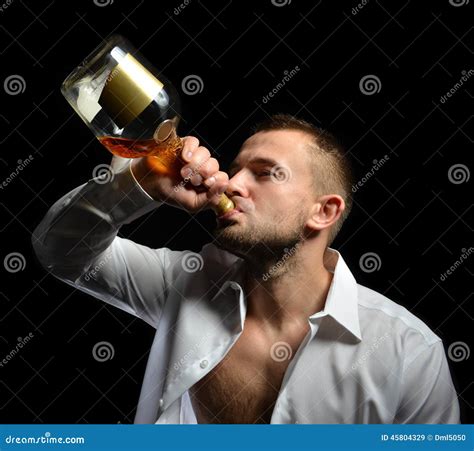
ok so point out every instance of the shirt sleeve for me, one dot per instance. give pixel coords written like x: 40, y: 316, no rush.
x: 428, y: 395
x: 77, y: 242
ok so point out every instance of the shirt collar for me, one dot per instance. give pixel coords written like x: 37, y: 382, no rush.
x: 342, y: 299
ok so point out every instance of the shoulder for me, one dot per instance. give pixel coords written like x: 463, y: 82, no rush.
x: 379, y: 315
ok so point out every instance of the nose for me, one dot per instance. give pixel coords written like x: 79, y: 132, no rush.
x: 237, y: 185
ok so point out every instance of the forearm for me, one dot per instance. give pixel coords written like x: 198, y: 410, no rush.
x: 84, y: 222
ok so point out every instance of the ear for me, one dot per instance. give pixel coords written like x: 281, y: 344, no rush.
x: 326, y: 211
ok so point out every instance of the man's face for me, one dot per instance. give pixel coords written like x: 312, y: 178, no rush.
x: 272, y: 186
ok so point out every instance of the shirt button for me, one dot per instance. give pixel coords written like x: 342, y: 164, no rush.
x: 203, y: 364
x: 161, y: 402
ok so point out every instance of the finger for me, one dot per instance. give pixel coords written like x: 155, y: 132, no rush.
x: 190, y: 144
x: 200, y: 156
x: 218, y: 187
x: 208, y: 168
x: 196, y: 179
x: 205, y: 173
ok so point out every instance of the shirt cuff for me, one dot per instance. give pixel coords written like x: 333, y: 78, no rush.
x: 121, y: 197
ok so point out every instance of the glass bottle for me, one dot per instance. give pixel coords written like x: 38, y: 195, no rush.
x: 132, y: 109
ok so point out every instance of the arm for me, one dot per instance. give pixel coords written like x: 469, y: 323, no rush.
x: 428, y: 395
x: 77, y: 239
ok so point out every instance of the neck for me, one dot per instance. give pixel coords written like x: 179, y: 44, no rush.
x: 284, y: 294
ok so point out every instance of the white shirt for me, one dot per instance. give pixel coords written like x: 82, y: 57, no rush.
x: 365, y: 359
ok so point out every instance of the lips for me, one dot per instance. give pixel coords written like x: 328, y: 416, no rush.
x: 230, y: 213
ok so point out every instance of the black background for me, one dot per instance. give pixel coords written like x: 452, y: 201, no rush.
x: 410, y: 213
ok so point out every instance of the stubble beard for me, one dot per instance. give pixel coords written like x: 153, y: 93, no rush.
x: 262, y: 245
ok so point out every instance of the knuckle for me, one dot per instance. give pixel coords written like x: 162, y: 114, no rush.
x: 223, y: 177
x: 203, y: 153
x: 209, y: 168
x: 191, y: 141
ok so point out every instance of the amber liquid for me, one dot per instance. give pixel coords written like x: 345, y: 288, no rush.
x: 167, y: 155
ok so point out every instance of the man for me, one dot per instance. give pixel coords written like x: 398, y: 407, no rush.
x: 266, y: 324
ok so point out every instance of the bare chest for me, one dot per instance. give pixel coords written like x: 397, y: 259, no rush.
x: 244, y: 386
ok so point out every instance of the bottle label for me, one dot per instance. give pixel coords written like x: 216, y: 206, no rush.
x: 129, y: 89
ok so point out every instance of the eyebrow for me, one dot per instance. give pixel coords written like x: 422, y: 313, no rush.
x: 256, y: 161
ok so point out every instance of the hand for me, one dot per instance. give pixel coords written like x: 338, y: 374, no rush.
x: 199, y: 184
